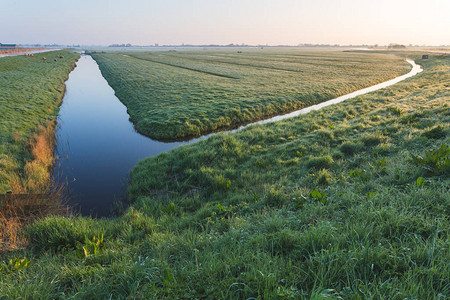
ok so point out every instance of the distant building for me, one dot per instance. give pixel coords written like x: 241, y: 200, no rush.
x: 8, y: 46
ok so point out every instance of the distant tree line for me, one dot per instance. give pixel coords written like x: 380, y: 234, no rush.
x: 396, y: 46
x: 120, y: 45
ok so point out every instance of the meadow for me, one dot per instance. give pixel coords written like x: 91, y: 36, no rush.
x: 177, y: 95
x: 349, y: 202
x: 31, y: 91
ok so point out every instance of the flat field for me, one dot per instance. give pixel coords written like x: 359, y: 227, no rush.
x: 349, y: 202
x: 30, y: 93
x: 177, y: 95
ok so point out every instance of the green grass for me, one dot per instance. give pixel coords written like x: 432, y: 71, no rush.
x: 177, y: 95
x: 351, y: 201
x: 30, y: 93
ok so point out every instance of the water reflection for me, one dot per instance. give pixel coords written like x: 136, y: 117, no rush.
x: 97, y: 144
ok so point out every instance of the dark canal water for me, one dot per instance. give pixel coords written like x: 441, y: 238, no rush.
x: 96, y: 143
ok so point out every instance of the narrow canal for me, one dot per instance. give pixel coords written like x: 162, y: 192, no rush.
x: 97, y: 145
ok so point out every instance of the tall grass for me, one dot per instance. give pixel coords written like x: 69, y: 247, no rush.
x: 17, y: 212
x: 43, y: 197
x: 36, y: 175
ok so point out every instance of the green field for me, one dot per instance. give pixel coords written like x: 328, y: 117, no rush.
x: 349, y: 202
x: 30, y: 93
x: 177, y: 95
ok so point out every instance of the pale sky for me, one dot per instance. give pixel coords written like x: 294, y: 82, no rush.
x: 145, y: 22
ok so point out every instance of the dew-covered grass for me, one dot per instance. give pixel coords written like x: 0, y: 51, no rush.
x: 178, y: 95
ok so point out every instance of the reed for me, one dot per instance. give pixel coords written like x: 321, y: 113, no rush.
x: 33, y: 195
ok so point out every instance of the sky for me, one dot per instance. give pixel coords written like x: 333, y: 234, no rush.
x: 273, y: 22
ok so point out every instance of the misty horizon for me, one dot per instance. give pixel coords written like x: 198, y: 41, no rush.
x: 156, y: 45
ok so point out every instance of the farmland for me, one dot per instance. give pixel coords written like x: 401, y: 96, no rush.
x: 178, y: 95
x: 350, y: 202
x: 30, y: 93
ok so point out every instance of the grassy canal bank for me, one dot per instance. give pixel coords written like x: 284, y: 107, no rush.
x: 31, y: 91
x: 176, y: 95
x: 351, y: 202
